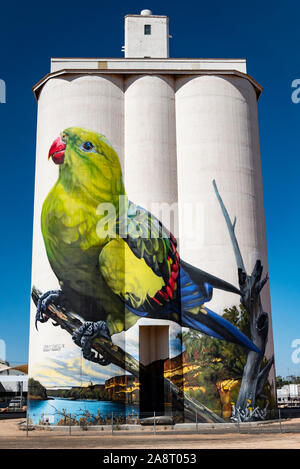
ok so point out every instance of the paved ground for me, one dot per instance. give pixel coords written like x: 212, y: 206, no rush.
x: 11, y: 437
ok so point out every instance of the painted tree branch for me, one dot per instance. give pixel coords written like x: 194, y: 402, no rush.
x: 263, y: 376
x: 251, y: 286
x: 69, y: 322
x: 231, y: 228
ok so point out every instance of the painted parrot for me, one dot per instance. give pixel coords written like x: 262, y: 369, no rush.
x: 113, y: 279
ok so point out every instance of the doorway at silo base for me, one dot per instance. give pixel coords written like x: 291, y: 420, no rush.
x: 153, y: 353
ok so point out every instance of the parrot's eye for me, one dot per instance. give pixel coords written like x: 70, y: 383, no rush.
x: 87, y: 146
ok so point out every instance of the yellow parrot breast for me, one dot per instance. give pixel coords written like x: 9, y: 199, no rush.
x: 128, y: 276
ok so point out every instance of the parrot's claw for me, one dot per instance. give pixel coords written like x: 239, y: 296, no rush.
x: 84, y: 336
x: 44, y: 300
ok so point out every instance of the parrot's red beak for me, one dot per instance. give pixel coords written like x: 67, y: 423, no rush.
x: 57, y: 151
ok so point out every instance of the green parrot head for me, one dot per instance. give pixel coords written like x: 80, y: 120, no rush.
x: 88, y: 164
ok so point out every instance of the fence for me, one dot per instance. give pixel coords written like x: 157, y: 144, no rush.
x: 64, y: 423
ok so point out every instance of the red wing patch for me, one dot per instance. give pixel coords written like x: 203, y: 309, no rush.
x: 168, y: 292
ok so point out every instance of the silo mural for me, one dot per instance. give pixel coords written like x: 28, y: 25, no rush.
x: 115, y: 263
x: 149, y: 285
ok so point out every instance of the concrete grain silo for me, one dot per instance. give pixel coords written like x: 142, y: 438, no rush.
x: 171, y: 126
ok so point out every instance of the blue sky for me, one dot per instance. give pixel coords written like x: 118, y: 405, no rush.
x: 266, y: 33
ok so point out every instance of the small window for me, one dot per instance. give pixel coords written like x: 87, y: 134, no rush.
x: 147, y: 29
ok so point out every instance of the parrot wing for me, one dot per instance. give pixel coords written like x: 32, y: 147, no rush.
x: 142, y: 267
x: 145, y: 271
x: 148, y: 239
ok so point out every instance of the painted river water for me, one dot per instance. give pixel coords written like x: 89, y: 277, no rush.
x: 53, y: 409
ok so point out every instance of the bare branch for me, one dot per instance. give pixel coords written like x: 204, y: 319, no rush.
x: 263, y: 375
x: 231, y: 228
x: 262, y: 283
x: 250, y: 285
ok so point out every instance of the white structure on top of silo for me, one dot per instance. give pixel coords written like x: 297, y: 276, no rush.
x: 146, y: 36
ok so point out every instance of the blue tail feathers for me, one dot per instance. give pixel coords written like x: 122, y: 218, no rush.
x: 189, y: 305
x: 205, y: 320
